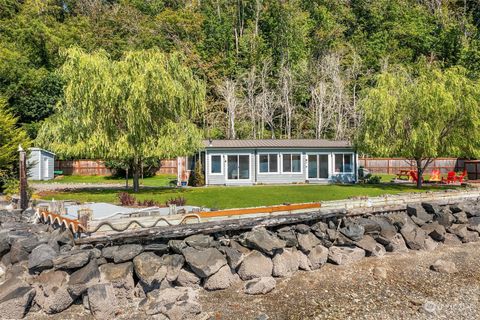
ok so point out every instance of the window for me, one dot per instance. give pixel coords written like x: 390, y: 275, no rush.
x: 343, y: 163
x: 292, y: 163
x: 216, y: 164
x: 268, y: 163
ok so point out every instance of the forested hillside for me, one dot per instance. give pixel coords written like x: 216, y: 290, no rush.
x: 272, y: 68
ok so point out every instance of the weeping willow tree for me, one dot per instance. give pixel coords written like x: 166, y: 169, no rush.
x: 133, y: 109
x: 421, y: 116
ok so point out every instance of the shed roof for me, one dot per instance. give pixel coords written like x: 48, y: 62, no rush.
x: 42, y: 150
x: 277, y: 143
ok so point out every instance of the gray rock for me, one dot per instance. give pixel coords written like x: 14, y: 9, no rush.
x: 372, y: 247
x: 158, y: 248
x: 460, y: 230
x: 260, y: 285
x: 379, y: 272
x: 419, y: 211
x: 149, y: 269
x: 419, y: 222
x: 83, y: 279
x: 102, y: 301
x: 469, y: 208
x: 302, y: 228
x: 320, y: 230
x: 126, y: 252
x: 15, y: 298
x: 18, y: 251
x: 289, y: 236
x: 353, y: 231
x: 451, y: 240
x: 234, y: 256
x: 345, y: 255
x: 387, y: 230
x: 264, y: 241
x: 52, y: 294
x: 369, y: 225
x: 443, y: 266
x: 41, y: 258
x: 174, y: 263
x: 107, y: 252
x: 445, y: 218
x: 471, y: 236
x: 61, y: 237
x: 307, y: 241
x: 317, y: 257
x: 188, y: 278
x: 204, y: 262
x: 435, y: 230
x: 222, y: 279
x: 175, y: 303
x: 430, y: 244
x: 4, y: 245
x: 71, y: 260
x: 303, y: 261
x: 285, y: 263
x: 199, y: 241
x: 474, y: 224
x: 121, y: 278
x: 177, y: 246
x: 414, y: 236
x: 431, y: 207
x: 460, y: 217
x: 255, y: 265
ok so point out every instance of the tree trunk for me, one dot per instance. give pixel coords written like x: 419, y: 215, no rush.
x: 136, y: 176
x: 419, y: 173
x: 126, y: 178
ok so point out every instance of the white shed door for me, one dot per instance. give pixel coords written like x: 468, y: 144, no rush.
x: 45, y: 167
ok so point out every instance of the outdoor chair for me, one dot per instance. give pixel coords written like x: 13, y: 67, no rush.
x: 451, y: 178
x: 460, y: 177
x: 414, y: 176
x: 435, y: 176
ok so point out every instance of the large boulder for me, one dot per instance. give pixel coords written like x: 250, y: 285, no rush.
x: 255, y: 265
x: 387, y: 229
x: 451, y: 240
x: 469, y: 208
x: 369, y: 225
x: 431, y: 207
x: 285, y: 263
x: 317, y: 257
x: 41, y: 258
x: 234, y: 256
x: 4, y: 244
x: 260, y: 285
x: 414, y: 236
x: 307, y: 241
x: 372, y: 247
x: 303, y: 261
x: 262, y: 240
x: 435, y: 230
x: 175, y: 303
x: 60, y: 237
x: 177, y: 245
x: 149, y: 269
x: 353, y: 231
x: 320, y: 229
x: 460, y: 217
x: 15, y: 298
x: 199, y: 241
x: 121, y: 277
x: 460, y: 230
x: 187, y: 278
x: 445, y: 217
x: 126, y: 252
x: 345, y: 255
x: 419, y: 211
x: 288, y: 235
x: 107, y: 252
x: 83, y: 279
x: 222, y: 279
x: 396, y: 244
x: 21, y: 248
x: 71, y: 260
x: 204, y: 262
x: 52, y: 294
x: 102, y: 301
x: 173, y: 262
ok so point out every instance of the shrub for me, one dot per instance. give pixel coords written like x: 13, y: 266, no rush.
x: 126, y: 199
x: 148, y: 203
x: 197, y: 178
x: 179, y: 201
x: 374, y: 180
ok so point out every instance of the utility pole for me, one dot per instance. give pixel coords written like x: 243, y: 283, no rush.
x: 23, y: 178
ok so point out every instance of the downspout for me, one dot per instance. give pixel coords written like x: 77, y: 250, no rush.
x: 255, y: 160
x: 205, y: 174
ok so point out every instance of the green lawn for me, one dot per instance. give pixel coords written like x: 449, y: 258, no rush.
x: 155, y: 181
x: 238, y: 197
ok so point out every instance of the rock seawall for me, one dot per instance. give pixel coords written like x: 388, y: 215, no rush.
x: 42, y: 268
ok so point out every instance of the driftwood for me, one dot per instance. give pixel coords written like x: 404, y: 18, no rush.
x: 184, y: 230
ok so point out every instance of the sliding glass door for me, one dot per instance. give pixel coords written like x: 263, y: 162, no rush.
x: 238, y: 167
x: 318, y: 166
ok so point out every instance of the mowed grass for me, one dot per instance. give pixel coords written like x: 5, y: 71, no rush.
x: 161, y: 180
x: 241, y: 197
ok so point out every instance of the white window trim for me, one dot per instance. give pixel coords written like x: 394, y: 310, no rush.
x: 344, y: 172
x: 249, y: 167
x: 301, y: 163
x: 329, y: 154
x: 268, y: 153
x: 210, y: 164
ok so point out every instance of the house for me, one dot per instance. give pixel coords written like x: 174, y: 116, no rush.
x: 247, y: 162
x: 40, y: 164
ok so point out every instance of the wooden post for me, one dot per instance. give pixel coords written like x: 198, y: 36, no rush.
x: 23, y: 178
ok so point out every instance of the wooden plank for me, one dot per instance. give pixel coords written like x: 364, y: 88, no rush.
x: 171, y: 232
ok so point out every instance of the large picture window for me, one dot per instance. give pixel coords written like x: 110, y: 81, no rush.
x: 268, y: 163
x: 343, y: 163
x: 292, y: 163
x: 216, y: 164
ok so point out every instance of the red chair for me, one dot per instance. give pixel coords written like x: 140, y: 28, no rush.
x: 461, y: 176
x: 451, y: 178
x: 413, y: 174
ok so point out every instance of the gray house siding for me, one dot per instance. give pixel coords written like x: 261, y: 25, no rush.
x: 41, y: 164
x: 279, y: 177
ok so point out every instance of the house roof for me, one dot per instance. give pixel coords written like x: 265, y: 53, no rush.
x: 277, y: 143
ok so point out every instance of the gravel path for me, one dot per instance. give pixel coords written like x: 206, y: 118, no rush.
x: 352, y: 292
x: 41, y: 187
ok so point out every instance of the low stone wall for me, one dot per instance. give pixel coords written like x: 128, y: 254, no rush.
x: 42, y: 269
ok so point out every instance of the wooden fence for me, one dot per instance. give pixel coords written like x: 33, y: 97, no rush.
x: 394, y: 165
x: 97, y: 167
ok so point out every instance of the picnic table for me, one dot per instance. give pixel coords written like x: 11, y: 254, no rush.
x: 403, y: 174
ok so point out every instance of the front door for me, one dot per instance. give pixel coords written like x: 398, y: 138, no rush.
x: 238, y: 167
x: 318, y: 166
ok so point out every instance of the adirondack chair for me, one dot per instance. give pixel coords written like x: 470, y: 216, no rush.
x: 435, y: 176
x: 451, y: 178
x: 460, y: 177
x: 414, y: 176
